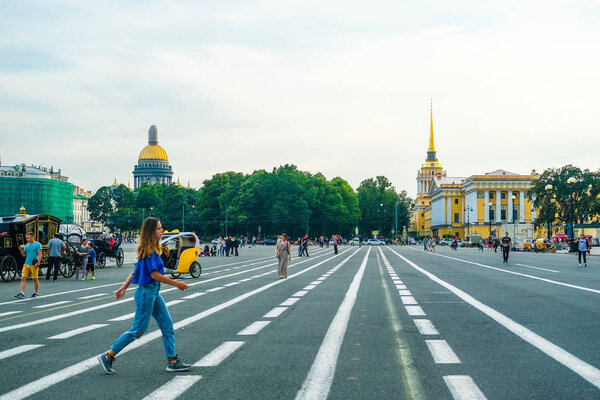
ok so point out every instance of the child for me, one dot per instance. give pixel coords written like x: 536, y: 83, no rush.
x: 91, y: 261
x: 148, y: 275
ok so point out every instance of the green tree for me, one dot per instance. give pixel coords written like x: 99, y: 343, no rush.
x: 123, y: 197
x: 100, y: 206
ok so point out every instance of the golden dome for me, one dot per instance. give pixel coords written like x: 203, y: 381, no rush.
x: 153, y: 152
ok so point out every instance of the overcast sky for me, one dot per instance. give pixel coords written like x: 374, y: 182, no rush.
x: 338, y: 87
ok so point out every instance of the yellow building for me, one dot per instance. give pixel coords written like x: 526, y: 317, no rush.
x: 431, y: 168
x: 478, y: 205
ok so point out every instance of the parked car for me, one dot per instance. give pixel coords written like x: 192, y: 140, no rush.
x: 269, y: 242
x: 355, y: 242
x: 412, y: 241
x: 374, y: 242
x: 445, y: 242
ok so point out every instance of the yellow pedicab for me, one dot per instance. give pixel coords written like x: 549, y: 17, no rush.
x: 181, y: 252
x: 544, y: 245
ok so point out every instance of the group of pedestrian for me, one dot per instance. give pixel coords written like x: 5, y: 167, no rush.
x: 88, y: 260
x: 429, y: 243
x: 228, y: 245
x: 303, y: 246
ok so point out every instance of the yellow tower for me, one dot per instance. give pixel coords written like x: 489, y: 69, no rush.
x: 430, y: 169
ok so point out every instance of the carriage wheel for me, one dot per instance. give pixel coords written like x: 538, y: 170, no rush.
x: 119, y: 258
x: 8, y: 268
x: 175, y: 274
x: 67, y: 269
x: 101, y: 260
x: 195, y: 269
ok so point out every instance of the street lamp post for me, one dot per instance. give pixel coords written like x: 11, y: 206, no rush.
x: 468, y: 210
x: 380, y: 218
x: 548, y: 188
x: 571, y: 181
x: 514, y: 212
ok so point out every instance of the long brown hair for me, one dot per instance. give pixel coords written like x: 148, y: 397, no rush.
x: 148, y: 242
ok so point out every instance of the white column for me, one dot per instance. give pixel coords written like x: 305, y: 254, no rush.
x: 533, y: 213
x: 448, y: 210
x: 498, y: 206
x: 486, y: 202
x: 474, y: 214
x: 521, y: 206
x: 510, y: 206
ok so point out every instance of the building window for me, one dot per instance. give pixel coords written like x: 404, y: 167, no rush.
x: 491, y: 214
x: 503, y: 195
x: 422, y: 214
x: 503, y: 213
x: 422, y: 202
x: 456, y: 217
x: 492, y: 194
x: 422, y: 226
x: 455, y: 201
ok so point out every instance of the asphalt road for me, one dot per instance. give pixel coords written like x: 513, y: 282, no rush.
x: 385, y: 322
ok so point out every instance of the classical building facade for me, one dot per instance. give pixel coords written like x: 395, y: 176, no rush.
x: 153, y: 163
x: 478, y: 205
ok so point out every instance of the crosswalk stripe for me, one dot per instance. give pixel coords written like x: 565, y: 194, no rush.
x: 193, y: 296
x: 290, y: 301
x: 9, y: 313
x: 18, y: 350
x: 219, y: 354
x: 78, y: 331
x: 254, y: 328
x: 174, y: 388
x: 53, y: 304
x: 92, y: 296
x: 442, y: 352
x: 275, y: 312
x: 463, y: 387
x: 425, y: 327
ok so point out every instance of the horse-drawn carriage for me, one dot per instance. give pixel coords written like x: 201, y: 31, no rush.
x: 181, y: 252
x: 105, y: 250
x: 12, y: 235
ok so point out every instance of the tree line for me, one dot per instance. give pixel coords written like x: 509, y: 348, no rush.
x: 558, y: 200
x: 262, y: 203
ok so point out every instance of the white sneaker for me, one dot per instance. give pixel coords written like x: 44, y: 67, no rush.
x: 580, y: 265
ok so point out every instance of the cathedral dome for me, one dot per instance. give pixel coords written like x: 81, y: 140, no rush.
x: 153, y: 152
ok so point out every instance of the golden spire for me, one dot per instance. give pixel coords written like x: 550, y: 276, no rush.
x: 22, y: 211
x: 115, y: 183
x: 431, y: 142
x: 188, y: 186
x: 129, y: 186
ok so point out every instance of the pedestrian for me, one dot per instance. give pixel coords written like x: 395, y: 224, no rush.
x: 221, y: 246
x: 236, y: 244
x: 83, y: 253
x: 284, y: 255
x: 495, y: 245
x: 91, y: 262
x: 148, y: 275
x: 425, y: 240
x: 505, y: 243
x: 304, y: 244
x: 335, y: 244
x: 56, y: 248
x: 32, y: 252
x: 228, y: 246
x: 582, y: 247
x: 432, y: 246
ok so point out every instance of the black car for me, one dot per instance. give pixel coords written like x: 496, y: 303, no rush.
x: 269, y: 242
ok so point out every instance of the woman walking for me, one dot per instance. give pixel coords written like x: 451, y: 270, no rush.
x: 148, y: 275
x: 284, y: 254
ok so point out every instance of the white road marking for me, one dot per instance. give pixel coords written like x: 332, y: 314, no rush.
x: 232, y: 284
x: 193, y: 296
x: 442, y: 352
x: 425, y: 327
x: 310, y: 287
x: 219, y: 354
x: 275, y: 312
x: 463, y: 387
x: 174, y: 388
x: 75, y: 332
x: 215, y: 289
x: 322, y: 278
x: 123, y: 317
x: 300, y: 293
x: 315, y: 282
x: 61, y: 293
x: 290, y: 301
x: 408, y: 300
x: 580, y: 367
x: 47, y: 381
x: 9, y: 313
x: 543, y: 269
x: 400, y: 286
x: 254, y: 328
x: 173, y: 302
x: 404, y: 292
x: 414, y: 311
x: 318, y: 382
x: 18, y: 350
x: 521, y: 274
x: 92, y: 296
x: 53, y: 304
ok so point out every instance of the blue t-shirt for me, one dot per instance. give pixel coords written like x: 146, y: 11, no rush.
x: 31, y: 249
x: 142, y: 274
x: 55, y: 245
x: 92, y: 256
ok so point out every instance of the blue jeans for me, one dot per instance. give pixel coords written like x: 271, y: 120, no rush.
x: 149, y: 302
